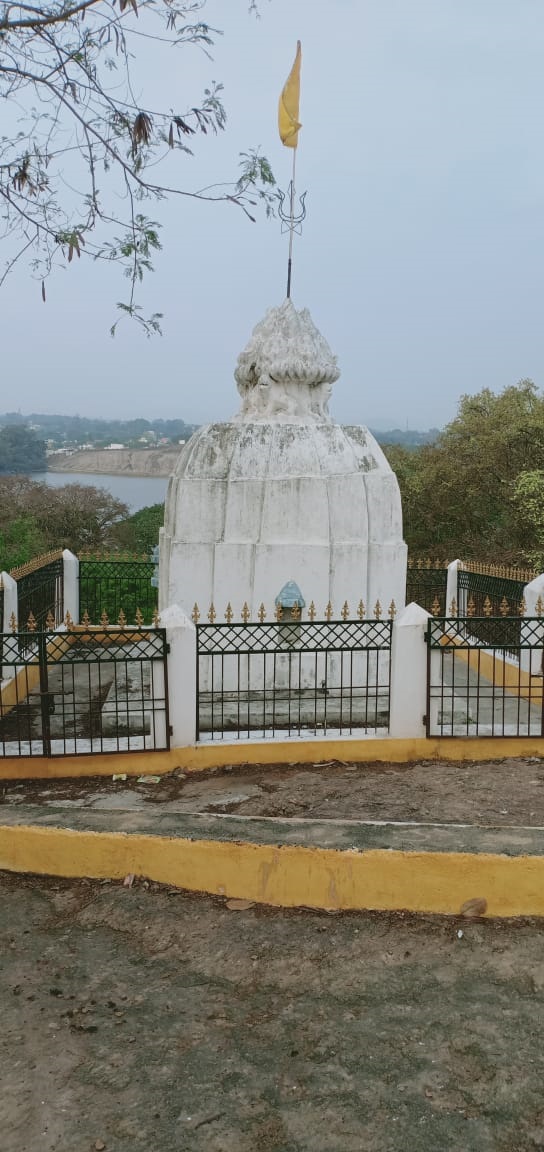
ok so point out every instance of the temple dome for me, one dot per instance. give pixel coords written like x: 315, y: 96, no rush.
x: 286, y: 370
x: 282, y: 492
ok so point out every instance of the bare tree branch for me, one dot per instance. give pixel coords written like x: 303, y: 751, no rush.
x: 81, y: 144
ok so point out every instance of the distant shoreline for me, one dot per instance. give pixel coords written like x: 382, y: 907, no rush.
x: 137, y: 462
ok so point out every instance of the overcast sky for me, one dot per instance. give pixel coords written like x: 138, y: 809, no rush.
x: 422, y: 257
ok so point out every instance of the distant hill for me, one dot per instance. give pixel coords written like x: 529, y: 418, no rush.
x: 78, y: 430
x: 74, y: 432
x: 409, y: 438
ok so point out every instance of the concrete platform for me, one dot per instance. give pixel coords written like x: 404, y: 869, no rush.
x: 333, y: 864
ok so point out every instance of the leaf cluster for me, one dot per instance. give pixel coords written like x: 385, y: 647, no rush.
x: 475, y: 492
x: 81, y: 148
x: 35, y: 518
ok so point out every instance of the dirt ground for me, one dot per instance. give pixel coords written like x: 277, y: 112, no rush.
x: 144, y: 1018
x: 507, y: 792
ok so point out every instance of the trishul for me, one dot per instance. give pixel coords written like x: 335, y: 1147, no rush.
x: 291, y: 221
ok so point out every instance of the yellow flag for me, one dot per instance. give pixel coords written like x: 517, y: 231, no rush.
x: 288, y: 109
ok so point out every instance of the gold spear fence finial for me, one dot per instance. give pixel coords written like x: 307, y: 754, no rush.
x: 377, y: 610
x: 522, y: 606
x: 488, y: 607
x: 328, y: 611
x: 85, y: 619
x: 155, y: 619
x: 540, y: 606
x: 50, y: 621
x: 261, y: 614
x: 31, y: 623
x: 296, y: 611
x: 36, y: 563
x: 361, y: 609
x: 104, y: 620
x: 121, y: 619
x: 453, y: 607
x: 245, y: 612
x: 471, y: 607
x: 229, y: 613
x: 13, y: 622
x: 195, y: 614
x: 392, y: 612
x: 504, y: 607
x: 435, y: 607
x: 311, y: 612
x: 278, y: 612
x: 212, y: 614
x: 139, y: 618
x: 345, y: 611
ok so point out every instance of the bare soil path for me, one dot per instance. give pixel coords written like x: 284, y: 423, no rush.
x: 499, y: 794
x: 143, y: 1018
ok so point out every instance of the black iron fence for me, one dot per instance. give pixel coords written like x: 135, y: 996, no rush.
x: 483, y: 595
x: 83, y: 691
x: 113, y: 585
x: 40, y: 591
x: 426, y: 582
x: 293, y: 677
x: 475, y: 687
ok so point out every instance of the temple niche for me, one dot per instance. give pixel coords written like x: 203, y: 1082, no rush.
x: 282, y: 492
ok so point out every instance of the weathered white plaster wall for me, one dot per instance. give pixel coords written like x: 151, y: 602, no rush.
x: 282, y: 492
x: 531, y: 660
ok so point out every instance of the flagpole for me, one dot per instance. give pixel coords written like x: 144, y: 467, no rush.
x: 291, y: 226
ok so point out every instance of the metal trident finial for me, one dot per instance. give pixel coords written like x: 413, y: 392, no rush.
x: 291, y: 221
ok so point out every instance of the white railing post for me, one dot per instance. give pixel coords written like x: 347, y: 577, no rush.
x: 530, y: 659
x: 181, y: 637
x: 408, y: 701
x: 71, y: 585
x: 10, y: 602
x: 9, y: 671
x: 452, y: 589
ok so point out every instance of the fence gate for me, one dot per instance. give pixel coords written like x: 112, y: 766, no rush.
x: 83, y: 691
x: 484, y: 676
x: 292, y: 677
x: 40, y: 591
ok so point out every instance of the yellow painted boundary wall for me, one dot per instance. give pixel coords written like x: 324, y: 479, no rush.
x: 209, y: 757
x: 288, y: 876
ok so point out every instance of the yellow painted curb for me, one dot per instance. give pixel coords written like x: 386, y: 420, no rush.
x: 287, y: 876
x: 498, y: 672
x: 205, y: 757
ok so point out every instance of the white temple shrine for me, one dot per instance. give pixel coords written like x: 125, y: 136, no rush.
x: 282, y: 495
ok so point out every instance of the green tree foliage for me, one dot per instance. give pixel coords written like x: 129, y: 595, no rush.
x: 20, y: 450
x: 20, y: 540
x: 87, y: 143
x: 463, y: 495
x: 140, y: 532
x: 529, y: 504
x: 35, y: 518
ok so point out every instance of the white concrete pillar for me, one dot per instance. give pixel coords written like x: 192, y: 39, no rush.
x: 452, y: 589
x: 181, y: 636
x: 156, y: 737
x: 10, y: 601
x: 409, y: 673
x: 71, y: 585
x: 530, y: 659
x: 8, y: 671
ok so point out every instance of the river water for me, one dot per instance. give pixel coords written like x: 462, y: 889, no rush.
x: 136, y: 491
